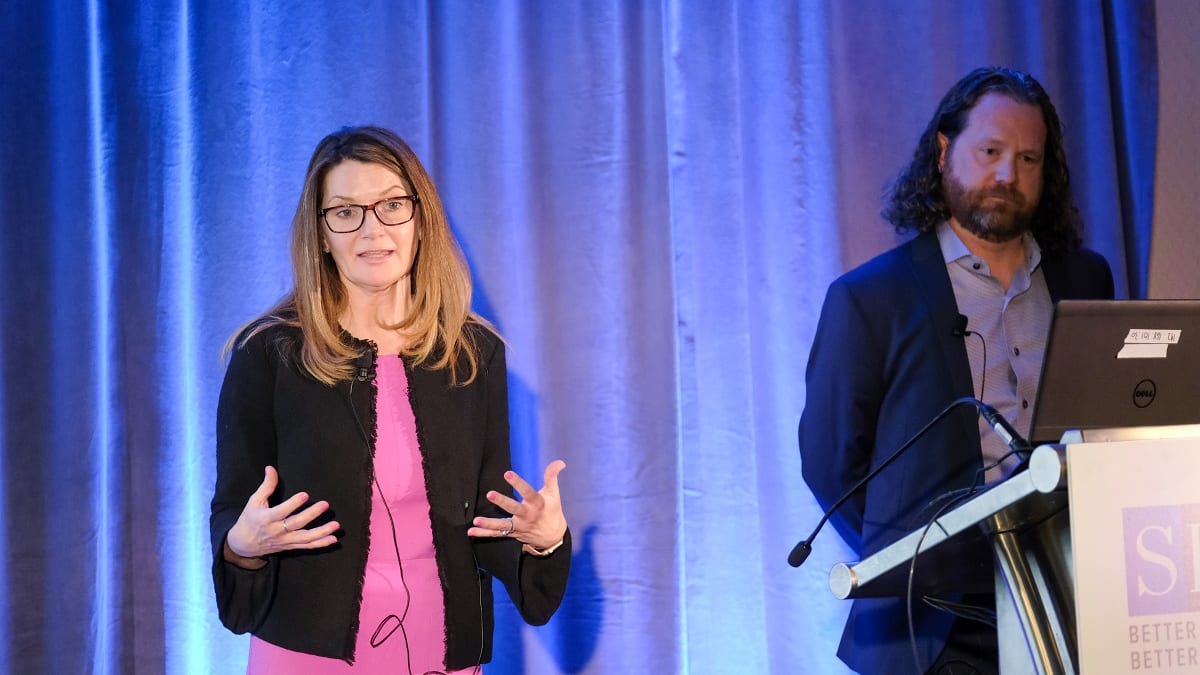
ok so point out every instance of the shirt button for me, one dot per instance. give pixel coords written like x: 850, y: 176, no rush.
x: 1024, y: 403
x: 1016, y: 351
x: 976, y: 266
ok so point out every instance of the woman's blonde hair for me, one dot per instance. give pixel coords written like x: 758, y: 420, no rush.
x: 440, y: 280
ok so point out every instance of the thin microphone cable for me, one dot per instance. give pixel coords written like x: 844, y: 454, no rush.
x: 964, y: 332
x: 912, y: 567
x: 981, y: 473
x: 983, y: 369
x: 375, y: 640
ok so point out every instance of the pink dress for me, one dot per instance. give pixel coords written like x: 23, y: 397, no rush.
x: 403, y: 611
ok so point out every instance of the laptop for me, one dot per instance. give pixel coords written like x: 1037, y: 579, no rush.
x: 1118, y: 364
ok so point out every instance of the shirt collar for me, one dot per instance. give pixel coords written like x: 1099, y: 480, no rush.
x: 954, y: 249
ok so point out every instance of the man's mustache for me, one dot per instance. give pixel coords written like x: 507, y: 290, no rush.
x: 1001, y: 192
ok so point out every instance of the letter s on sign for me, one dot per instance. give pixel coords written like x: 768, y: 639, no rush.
x: 1156, y: 558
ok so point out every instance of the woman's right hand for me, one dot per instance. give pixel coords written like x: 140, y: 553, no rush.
x: 263, y: 529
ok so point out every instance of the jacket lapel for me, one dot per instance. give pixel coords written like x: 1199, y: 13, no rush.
x: 933, y: 283
x: 1058, y: 282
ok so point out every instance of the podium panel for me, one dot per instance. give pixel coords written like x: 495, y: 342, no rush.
x: 1135, y: 529
x: 1096, y: 567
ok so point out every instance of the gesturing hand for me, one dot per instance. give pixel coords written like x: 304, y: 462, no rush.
x: 537, y: 520
x: 263, y: 529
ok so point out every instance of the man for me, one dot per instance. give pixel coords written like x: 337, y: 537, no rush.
x: 988, y: 193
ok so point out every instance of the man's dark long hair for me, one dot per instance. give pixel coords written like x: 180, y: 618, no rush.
x: 916, y: 201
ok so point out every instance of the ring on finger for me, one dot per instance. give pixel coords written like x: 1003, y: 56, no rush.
x: 507, y: 529
x: 284, y: 523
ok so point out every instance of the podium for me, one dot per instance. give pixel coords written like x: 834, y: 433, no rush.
x: 1072, y: 594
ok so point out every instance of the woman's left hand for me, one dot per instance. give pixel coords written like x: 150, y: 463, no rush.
x: 536, y: 520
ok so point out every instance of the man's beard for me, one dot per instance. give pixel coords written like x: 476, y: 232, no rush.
x: 997, y: 223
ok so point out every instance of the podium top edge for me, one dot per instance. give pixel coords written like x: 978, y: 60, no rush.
x: 1078, y: 436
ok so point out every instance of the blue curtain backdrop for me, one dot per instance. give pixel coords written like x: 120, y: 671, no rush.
x: 653, y: 197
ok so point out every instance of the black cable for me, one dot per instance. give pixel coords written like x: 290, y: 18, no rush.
x: 981, y: 476
x: 962, y: 609
x: 912, y: 567
x: 403, y: 582
x: 400, y: 564
x: 983, y: 370
x: 395, y: 543
x: 478, y: 587
x: 981, y: 473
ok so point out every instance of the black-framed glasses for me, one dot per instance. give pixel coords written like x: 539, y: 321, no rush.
x: 346, y: 218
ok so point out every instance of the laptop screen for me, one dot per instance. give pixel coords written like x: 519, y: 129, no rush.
x: 1119, y: 363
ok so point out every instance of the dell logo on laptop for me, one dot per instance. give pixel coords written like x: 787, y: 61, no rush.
x: 1143, y: 393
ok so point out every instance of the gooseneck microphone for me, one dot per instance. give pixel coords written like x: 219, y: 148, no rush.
x: 1014, y: 440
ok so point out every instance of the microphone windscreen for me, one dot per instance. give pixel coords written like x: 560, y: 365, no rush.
x: 799, y: 554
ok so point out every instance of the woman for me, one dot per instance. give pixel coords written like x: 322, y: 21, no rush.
x: 373, y: 390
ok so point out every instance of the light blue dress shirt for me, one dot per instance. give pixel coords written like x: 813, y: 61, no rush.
x: 1011, y: 328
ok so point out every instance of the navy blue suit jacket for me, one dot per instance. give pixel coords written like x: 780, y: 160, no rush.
x: 884, y: 362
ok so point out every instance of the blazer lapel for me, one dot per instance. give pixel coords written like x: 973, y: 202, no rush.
x: 1057, y: 281
x: 933, y: 282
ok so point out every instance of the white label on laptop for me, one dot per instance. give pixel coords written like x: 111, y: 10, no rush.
x: 1143, y: 343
